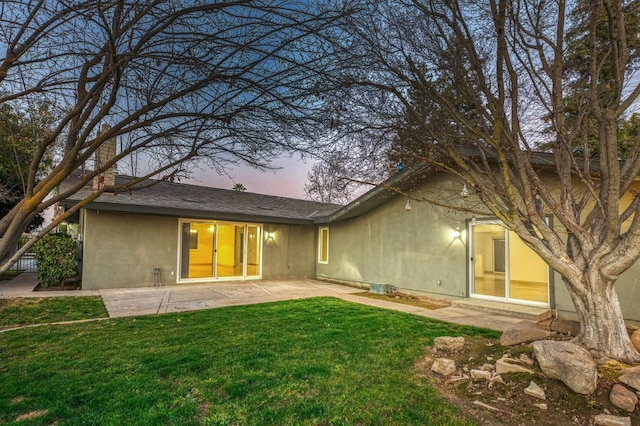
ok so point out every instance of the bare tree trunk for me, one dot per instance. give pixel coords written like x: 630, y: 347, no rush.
x: 602, y: 328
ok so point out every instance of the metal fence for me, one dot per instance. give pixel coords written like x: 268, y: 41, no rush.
x: 26, y: 263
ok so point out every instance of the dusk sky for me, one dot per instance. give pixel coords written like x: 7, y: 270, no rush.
x: 287, y: 181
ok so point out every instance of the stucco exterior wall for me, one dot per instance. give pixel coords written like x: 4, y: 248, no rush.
x: 415, y: 250
x: 627, y: 287
x: 122, y: 250
x: 290, y: 253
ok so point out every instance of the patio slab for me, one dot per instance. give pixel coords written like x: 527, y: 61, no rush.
x: 123, y: 302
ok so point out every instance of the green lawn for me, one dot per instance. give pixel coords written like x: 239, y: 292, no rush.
x: 318, y: 361
x: 43, y: 310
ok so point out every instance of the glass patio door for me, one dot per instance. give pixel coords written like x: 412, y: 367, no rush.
x: 503, y: 268
x: 211, y: 250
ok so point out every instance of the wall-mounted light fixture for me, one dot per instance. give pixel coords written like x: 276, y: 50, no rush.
x: 269, y: 235
x: 456, y: 233
x: 407, y: 206
x: 465, y: 191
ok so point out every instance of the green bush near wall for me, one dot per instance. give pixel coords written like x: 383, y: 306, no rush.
x: 56, y: 256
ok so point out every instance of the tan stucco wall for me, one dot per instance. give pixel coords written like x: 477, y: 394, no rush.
x: 122, y: 250
x: 411, y: 250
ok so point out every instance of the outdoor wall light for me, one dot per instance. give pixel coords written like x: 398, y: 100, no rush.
x: 456, y: 233
x: 465, y: 191
x: 270, y: 235
x: 407, y: 206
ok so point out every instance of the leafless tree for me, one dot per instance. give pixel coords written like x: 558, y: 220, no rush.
x: 491, y: 81
x: 344, y: 170
x: 175, y: 81
x: 327, y: 182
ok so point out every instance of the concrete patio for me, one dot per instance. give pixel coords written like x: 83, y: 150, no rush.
x: 124, y: 302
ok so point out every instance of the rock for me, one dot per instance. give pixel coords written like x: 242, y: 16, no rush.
x: 488, y: 367
x: 523, y: 332
x: 610, y: 420
x: 480, y: 375
x: 630, y: 377
x: 542, y: 406
x: 454, y: 379
x: 565, y: 327
x: 525, y: 359
x: 623, y: 398
x: 635, y: 369
x: 535, y: 391
x: 448, y: 343
x: 568, y: 363
x: 495, y: 379
x: 503, y: 367
x: 488, y: 407
x: 444, y: 366
x: 635, y: 339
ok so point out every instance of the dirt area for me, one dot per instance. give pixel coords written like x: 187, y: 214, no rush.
x: 507, y: 403
x: 407, y: 299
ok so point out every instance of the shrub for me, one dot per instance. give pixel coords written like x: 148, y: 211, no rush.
x: 56, y: 256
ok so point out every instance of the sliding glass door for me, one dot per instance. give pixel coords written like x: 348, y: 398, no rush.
x: 502, y: 267
x: 210, y: 250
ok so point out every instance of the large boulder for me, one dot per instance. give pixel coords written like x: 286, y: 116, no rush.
x: 568, y: 363
x: 523, y: 332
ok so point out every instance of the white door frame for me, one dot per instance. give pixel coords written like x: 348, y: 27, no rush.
x: 471, y: 275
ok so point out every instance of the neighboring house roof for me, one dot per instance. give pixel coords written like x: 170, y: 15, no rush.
x: 201, y: 202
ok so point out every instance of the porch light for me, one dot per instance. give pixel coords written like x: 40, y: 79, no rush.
x: 407, y: 206
x: 270, y: 235
x: 465, y: 191
x: 456, y: 233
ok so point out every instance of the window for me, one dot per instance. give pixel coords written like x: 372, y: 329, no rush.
x: 323, y: 245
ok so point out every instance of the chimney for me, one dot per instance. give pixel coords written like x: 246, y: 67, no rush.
x: 104, y: 154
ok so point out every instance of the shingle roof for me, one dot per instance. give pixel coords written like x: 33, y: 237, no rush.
x: 193, y: 201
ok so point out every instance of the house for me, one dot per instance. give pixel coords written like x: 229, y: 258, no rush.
x: 173, y: 233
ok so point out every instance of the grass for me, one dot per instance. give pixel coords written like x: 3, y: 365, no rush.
x: 43, y: 310
x: 320, y: 361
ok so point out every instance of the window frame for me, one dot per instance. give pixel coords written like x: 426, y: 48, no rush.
x: 323, y: 247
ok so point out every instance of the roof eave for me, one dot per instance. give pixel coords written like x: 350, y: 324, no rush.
x: 188, y: 213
